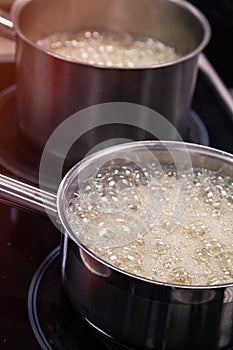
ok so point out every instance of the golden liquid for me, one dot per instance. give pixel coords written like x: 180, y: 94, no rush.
x: 194, y: 246
x: 109, y: 49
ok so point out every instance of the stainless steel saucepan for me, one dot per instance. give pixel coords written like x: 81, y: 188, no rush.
x: 51, y: 88
x: 123, y: 307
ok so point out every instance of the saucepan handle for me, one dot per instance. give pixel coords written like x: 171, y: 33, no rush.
x: 24, y: 196
x: 6, y: 26
x: 216, y: 84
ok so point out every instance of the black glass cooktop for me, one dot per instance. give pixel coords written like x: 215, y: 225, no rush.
x: 34, y: 310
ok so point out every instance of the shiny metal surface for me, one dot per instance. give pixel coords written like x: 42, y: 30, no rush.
x: 134, y: 311
x: 24, y: 196
x: 143, y: 315
x: 140, y: 313
x: 6, y: 25
x: 51, y: 88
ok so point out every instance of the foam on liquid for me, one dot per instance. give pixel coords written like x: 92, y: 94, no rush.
x: 109, y: 48
x: 195, y: 248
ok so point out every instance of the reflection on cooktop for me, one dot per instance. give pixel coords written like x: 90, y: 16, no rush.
x: 22, y: 158
x: 16, y: 155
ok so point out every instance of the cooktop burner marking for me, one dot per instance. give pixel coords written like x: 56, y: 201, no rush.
x: 32, y: 299
x: 54, y: 321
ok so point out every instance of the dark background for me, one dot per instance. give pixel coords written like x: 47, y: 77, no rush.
x: 220, y: 48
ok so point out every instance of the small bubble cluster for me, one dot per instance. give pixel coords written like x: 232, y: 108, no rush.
x: 195, y: 248
x: 109, y: 49
x: 109, y: 209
